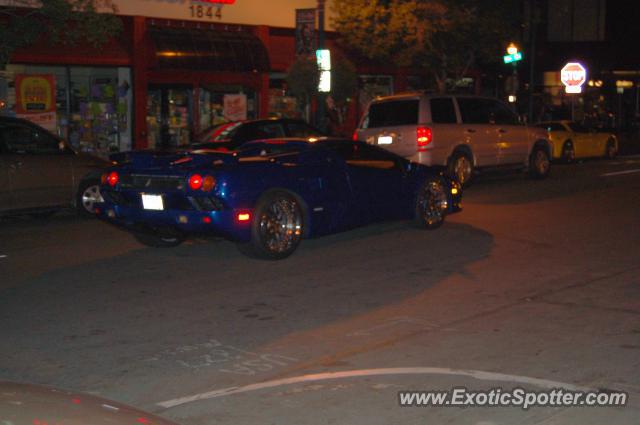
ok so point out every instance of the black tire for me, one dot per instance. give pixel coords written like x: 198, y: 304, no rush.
x: 88, y: 195
x: 568, y: 152
x: 461, y: 168
x: 432, y: 204
x: 277, y: 227
x: 159, y: 240
x: 611, y: 151
x: 539, y: 163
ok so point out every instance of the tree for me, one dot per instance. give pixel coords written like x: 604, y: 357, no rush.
x: 444, y: 38
x: 344, y: 78
x: 302, y: 79
x: 22, y: 22
x: 344, y: 84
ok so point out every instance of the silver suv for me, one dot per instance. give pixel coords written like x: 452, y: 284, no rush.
x: 462, y: 133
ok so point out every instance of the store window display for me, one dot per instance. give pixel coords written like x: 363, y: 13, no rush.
x: 91, y: 107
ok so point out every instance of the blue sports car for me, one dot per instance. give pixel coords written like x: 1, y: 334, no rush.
x: 270, y: 194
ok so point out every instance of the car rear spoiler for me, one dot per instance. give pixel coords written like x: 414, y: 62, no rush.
x: 151, y: 158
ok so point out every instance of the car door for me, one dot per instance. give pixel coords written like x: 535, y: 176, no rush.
x: 447, y: 133
x: 259, y: 130
x: 583, y: 140
x: 377, y: 180
x: 481, y: 135
x: 513, y: 137
x: 39, y: 167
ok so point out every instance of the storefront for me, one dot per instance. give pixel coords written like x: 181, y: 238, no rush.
x: 177, y: 69
x: 198, y: 77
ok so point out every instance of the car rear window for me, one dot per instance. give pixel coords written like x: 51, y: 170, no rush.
x: 578, y: 128
x: 394, y: 113
x: 443, y: 111
x: 222, y: 133
x: 298, y: 129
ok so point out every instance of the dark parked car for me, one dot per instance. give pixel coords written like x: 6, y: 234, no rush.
x: 233, y: 134
x: 269, y: 195
x: 39, y: 172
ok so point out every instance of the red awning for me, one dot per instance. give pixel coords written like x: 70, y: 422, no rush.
x: 211, y: 50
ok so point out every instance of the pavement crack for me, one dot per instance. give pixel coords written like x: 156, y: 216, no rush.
x: 592, y: 306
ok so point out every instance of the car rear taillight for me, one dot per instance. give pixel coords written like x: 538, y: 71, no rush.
x: 208, y: 183
x: 354, y: 137
x: 195, y: 182
x: 423, y: 138
x: 110, y: 178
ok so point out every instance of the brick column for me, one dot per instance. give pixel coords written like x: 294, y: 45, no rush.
x: 140, y: 82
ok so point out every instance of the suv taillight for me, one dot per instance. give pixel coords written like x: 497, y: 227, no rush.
x: 423, y: 138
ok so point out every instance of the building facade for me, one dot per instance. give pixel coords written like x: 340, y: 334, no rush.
x: 598, y: 34
x: 178, y: 68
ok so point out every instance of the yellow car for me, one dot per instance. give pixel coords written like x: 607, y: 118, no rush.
x: 572, y: 140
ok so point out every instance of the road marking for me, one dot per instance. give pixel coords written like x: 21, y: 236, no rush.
x: 476, y: 374
x: 3, y: 256
x: 619, y: 173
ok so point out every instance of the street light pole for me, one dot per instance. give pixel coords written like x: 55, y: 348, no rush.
x: 532, y: 54
x: 320, y: 106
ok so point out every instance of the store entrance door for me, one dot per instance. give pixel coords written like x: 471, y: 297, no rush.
x: 169, y: 116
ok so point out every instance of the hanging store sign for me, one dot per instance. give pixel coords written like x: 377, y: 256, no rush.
x: 36, y: 99
x: 305, y: 31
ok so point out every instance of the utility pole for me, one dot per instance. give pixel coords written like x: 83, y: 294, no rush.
x: 533, y: 29
x: 321, y: 107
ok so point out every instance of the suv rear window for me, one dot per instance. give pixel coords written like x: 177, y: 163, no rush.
x: 442, y: 111
x: 393, y: 113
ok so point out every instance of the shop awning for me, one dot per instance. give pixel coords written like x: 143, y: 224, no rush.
x: 194, y: 48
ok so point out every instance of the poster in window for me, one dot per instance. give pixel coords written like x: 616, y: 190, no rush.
x: 235, y: 107
x: 36, y: 99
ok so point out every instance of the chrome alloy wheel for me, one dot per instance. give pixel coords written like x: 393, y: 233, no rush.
x: 433, y: 203
x: 280, y: 225
x: 462, y: 169
x: 541, y: 162
x: 90, y: 196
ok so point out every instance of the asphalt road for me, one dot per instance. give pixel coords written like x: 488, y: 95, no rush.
x: 533, y: 285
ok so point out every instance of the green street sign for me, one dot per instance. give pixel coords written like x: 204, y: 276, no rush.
x: 512, y: 58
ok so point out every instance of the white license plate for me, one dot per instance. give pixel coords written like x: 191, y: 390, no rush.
x: 385, y: 140
x: 152, y: 202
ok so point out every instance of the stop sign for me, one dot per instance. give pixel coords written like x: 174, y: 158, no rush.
x: 573, y: 76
